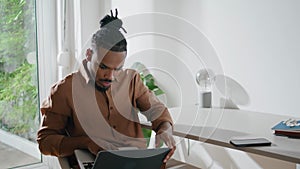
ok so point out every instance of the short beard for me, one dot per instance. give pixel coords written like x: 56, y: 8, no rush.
x: 101, y: 89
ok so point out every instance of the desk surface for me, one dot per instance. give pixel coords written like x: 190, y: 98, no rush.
x: 218, y: 126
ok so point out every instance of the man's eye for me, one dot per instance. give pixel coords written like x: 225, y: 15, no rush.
x: 120, y: 68
x: 102, y: 66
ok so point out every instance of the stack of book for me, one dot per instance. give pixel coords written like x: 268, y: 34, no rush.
x: 285, y: 128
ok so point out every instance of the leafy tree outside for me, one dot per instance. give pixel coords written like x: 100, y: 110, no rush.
x: 18, y: 87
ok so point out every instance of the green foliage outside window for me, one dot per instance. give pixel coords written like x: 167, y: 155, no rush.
x: 18, y: 88
x: 18, y: 105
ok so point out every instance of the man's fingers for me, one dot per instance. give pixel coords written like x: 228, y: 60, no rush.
x: 169, y: 155
x: 170, y: 142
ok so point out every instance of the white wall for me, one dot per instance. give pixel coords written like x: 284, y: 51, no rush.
x: 91, y: 13
x: 258, y: 45
x: 255, y: 43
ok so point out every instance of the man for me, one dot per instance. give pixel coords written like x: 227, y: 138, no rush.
x: 96, y: 108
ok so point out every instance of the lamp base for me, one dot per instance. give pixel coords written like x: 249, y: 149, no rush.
x: 206, y: 100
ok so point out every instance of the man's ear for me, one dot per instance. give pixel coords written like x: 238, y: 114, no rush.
x: 89, y: 54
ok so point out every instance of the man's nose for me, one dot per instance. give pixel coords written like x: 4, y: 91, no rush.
x: 109, y: 74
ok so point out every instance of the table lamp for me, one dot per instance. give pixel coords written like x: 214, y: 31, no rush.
x: 205, y: 79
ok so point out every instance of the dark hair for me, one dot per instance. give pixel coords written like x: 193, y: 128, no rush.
x: 109, y: 35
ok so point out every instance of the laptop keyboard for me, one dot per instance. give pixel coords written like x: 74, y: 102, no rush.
x: 88, y: 165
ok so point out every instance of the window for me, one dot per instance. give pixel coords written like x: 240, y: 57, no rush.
x: 19, y: 102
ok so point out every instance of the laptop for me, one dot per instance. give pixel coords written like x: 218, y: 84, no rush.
x: 122, y: 159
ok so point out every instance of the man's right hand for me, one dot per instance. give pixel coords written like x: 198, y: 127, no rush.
x: 94, y: 148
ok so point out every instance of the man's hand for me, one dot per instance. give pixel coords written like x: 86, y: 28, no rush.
x: 165, y: 133
x: 94, y: 148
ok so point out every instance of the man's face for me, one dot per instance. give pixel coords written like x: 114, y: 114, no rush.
x: 106, y: 66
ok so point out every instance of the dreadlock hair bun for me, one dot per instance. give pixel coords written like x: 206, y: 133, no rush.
x: 111, y: 22
x: 109, y: 35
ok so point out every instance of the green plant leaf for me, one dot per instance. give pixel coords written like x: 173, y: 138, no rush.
x: 158, y: 91
x: 147, y: 135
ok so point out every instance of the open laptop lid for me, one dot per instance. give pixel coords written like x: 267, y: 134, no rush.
x: 131, y: 159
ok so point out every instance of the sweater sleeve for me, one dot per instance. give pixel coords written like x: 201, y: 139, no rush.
x: 149, y: 104
x: 56, y: 114
x: 53, y: 139
x: 51, y: 133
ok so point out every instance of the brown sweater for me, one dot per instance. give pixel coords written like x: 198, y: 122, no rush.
x: 75, y: 110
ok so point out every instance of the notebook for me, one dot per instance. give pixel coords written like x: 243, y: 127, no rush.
x: 122, y: 159
x: 282, y: 129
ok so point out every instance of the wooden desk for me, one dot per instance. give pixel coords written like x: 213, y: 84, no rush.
x: 217, y: 126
